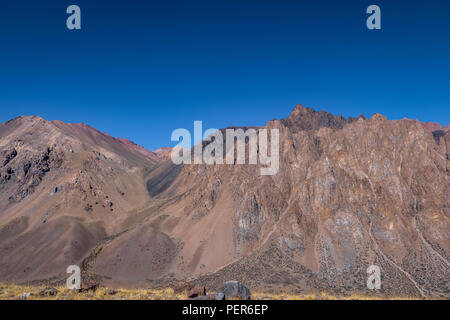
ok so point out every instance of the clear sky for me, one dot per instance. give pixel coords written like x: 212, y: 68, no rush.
x: 140, y: 69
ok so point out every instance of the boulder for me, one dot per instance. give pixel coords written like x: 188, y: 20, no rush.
x: 201, y: 298
x: 111, y: 292
x: 235, y: 289
x: 219, y: 296
x: 197, y: 291
x: 85, y: 287
x: 25, y: 295
x: 49, y: 292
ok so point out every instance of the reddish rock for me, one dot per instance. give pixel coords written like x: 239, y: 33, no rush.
x: 85, y: 287
x: 197, y: 291
x: 208, y: 297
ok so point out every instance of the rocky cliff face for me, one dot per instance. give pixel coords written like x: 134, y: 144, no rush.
x: 349, y: 193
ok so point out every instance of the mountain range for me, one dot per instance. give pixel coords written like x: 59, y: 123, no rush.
x: 349, y: 193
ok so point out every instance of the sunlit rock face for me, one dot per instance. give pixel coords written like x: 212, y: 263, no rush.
x: 349, y: 193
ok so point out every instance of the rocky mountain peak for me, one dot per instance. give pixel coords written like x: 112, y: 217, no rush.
x: 378, y: 117
x: 304, y: 118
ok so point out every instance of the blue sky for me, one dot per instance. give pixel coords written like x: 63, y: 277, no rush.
x: 140, y: 69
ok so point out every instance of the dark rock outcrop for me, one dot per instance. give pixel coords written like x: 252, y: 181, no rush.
x: 197, y: 291
x: 235, y: 289
x: 305, y: 119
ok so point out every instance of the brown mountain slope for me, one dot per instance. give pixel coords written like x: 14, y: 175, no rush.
x: 349, y: 193
x: 63, y: 189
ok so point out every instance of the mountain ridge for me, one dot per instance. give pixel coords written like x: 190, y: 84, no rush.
x: 350, y: 193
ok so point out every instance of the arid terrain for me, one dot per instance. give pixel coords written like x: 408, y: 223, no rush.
x: 349, y: 193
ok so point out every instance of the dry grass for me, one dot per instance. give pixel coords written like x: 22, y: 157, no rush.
x: 14, y: 292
